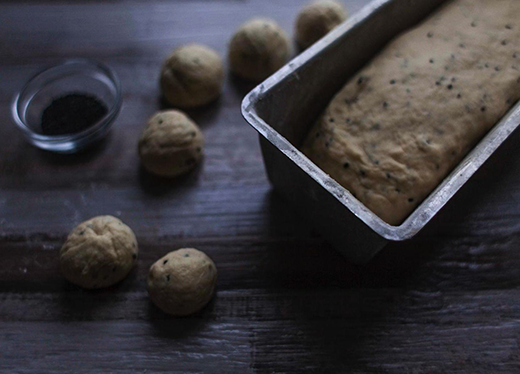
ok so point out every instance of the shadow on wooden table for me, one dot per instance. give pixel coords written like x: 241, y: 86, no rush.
x: 241, y: 87
x: 159, y: 186
x: 77, y: 304
x: 83, y: 156
x: 167, y: 326
x: 327, y: 305
x: 322, y: 264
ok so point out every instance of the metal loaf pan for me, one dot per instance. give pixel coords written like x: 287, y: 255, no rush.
x: 284, y: 107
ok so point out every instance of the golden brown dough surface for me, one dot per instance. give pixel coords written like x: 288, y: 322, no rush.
x: 395, y: 131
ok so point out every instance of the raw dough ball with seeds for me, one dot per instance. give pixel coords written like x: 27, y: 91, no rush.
x: 171, y: 144
x: 182, y: 282
x: 258, y: 49
x: 99, y: 252
x: 192, y: 76
x: 316, y: 20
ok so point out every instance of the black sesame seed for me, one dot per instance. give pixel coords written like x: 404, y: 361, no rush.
x: 376, y: 127
x: 430, y: 34
x: 431, y: 61
x: 164, y: 262
x: 360, y: 80
x: 473, y: 24
x: 397, y: 190
x: 331, y: 119
x: 461, y: 45
x: 160, y: 121
x: 385, y: 105
x: 363, y: 173
x: 186, y: 255
x: 504, y: 42
x: 515, y: 55
x: 192, y: 133
x: 346, y: 165
x: 392, y: 81
x: 168, y: 277
x: 459, y: 96
x: 82, y: 232
x: 388, y: 175
x: 410, y: 200
x: 509, y: 27
x: 483, y: 109
x: 486, y: 65
x: 450, y: 87
x: 438, y: 83
x: 497, y: 68
x: 348, y: 120
x: 134, y: 255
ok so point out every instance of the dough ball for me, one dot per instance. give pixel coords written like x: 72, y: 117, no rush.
x: 316, y: 20
x: 192, y: 76
x: 258, y: 49
x: 99, y: 252
x: 171, y: 144
x: 182, y: 282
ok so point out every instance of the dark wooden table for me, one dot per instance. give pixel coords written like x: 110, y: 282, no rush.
x: 446, y: 302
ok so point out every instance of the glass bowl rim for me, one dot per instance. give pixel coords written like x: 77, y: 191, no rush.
x: 107, y: 119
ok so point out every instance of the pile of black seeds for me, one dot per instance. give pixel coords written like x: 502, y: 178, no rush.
x: 72, y: 113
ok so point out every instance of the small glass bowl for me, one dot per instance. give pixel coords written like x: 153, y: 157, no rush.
x: 71, y: 76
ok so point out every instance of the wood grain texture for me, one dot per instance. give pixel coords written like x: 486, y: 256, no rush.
x: 446, y: 302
